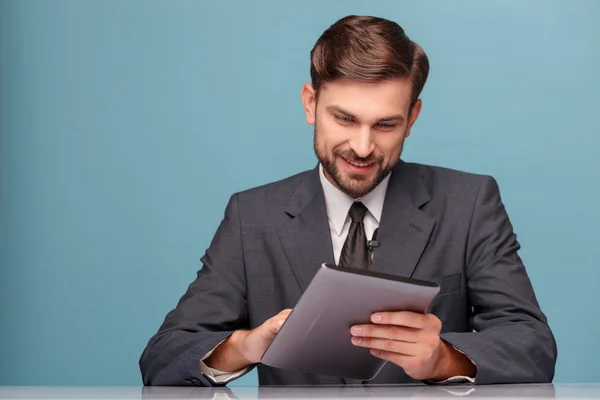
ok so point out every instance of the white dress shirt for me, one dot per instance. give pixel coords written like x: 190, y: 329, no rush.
x: 337, y: 204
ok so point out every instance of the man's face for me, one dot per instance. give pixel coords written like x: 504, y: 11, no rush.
x: 360, y: 130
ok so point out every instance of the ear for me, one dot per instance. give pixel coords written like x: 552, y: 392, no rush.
x: 309, y: 101
x: 414, y: 114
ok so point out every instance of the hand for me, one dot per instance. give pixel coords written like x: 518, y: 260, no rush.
x: 244, y: 348
x: 412, y: 341
x: 256, y: 341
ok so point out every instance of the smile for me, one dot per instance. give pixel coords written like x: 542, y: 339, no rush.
x: 358, y: 164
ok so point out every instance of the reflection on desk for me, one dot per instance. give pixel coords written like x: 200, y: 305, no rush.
x: 531, y: 391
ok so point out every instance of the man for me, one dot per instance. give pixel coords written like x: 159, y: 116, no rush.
x: 485, y: 325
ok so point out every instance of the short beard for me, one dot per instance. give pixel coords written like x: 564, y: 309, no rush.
x: 356, y: 185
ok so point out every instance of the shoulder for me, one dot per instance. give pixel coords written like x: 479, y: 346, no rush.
x: 448, y: 181
x: 280, y: 188
x: 273, y: 196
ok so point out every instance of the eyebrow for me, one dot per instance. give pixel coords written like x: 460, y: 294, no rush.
x: 340, y: 110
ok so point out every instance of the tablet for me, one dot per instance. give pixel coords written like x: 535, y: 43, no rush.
x: 316, y: 337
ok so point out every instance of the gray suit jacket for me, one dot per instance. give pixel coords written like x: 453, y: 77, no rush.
x: 437, y: 224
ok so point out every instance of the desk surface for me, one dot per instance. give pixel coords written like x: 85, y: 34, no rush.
x: 562, y: 391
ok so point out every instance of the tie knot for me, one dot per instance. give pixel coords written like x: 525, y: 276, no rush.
x: 357, y: 211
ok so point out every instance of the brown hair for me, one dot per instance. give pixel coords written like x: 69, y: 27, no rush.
x: 367, y: 49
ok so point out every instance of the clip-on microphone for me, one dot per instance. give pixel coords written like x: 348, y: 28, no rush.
x: 373, y: 243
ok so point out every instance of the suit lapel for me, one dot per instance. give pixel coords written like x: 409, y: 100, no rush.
x: 404, y: 229
x: 305, y: 237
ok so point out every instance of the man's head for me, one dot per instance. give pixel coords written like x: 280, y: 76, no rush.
x: 366, y: 79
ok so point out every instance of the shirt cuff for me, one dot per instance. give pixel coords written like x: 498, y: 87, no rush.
x: 453, y: 379
x: 215, y: 375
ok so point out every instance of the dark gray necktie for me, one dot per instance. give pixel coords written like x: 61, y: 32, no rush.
x: 355, y: 253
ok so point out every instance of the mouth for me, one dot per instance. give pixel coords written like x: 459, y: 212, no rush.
x: 358, y: 167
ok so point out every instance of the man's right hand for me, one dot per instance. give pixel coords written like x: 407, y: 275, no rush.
x: 245, y: 348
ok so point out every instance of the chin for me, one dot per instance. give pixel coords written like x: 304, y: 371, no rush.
x: 357, y: 190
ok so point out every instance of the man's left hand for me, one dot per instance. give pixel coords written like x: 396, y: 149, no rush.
x: 412, y: 341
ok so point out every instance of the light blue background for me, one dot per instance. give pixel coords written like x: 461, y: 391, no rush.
x: 126, y: 126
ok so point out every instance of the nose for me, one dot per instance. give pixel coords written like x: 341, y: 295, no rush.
x: 362, y: 142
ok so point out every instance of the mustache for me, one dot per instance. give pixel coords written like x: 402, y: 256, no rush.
x: 350, y: 155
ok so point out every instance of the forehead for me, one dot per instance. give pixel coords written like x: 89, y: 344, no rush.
x: 368, y: 100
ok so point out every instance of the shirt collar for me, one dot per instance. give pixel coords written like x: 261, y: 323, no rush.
x: 338, y: 203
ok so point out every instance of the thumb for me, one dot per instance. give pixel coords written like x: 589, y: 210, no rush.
x: 271, y: 328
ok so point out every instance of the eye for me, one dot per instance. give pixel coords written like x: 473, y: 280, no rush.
x: 342, y: 119
x: 386, y: 127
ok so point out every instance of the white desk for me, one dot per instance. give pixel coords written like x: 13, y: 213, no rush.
x: 538, y: 392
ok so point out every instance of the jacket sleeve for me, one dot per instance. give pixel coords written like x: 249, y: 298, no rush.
x: 213, y: 307
x: 511, y: 342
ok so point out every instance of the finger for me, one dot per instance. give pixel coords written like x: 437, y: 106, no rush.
x: 279, y: 319
x: 271, y: 327
x: 399, y: 359
x: 401, y: 318
x: 281, y: 316
x: 279, y: 324
x: 393, y: 346
x: 283, y: 313
x: 394, y: 332
x: 274, y: 324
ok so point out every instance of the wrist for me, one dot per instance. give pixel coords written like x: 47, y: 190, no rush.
x: 452, y: 363
x: 238, y: 347
x: 228, y: 356
x: 441, y: 370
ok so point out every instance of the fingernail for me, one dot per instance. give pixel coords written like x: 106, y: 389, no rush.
x: 356, y: 340
x: 376, y: 318
x: 281, y: 322
x: 355, y: 330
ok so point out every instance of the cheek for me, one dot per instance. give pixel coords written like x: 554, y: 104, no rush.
x: 331, y: 135
x: 390, y: 145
